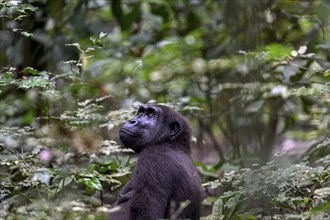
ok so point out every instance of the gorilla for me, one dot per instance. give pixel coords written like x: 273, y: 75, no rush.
x: 164, y: 177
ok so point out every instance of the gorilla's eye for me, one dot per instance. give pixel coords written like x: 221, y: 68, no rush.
x: 150, y: 114
x: 140, y: 114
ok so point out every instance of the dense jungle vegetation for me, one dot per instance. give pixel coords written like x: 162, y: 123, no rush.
x: 251, y: 76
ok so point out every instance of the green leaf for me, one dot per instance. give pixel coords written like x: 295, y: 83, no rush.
x: 125, y: 20
x: 305, y: 24
x: 215, y: 184
x: 60, y: 186
x: 85, y: 174
x: 323, y: 208
x: 28, y: 117
x: 34, y: 81
x: 92, y: 183
x: 26, y: 34
x: 91, y: 167
x: 30, y: 7
x: 217, y: 210
x: 250, y: 216
x: 8, y: 75
x: 30, y: 71
x: 322, y: 192
x: 21, y: 17
x: 277, y: 51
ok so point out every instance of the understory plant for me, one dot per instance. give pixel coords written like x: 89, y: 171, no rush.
x: 275, y: 191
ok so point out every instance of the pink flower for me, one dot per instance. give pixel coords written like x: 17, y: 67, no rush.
x: 46, y: 155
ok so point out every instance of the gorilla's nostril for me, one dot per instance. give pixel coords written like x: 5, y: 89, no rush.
x: 133, y: 122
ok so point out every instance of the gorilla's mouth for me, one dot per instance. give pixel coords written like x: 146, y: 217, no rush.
x: 129, y: 132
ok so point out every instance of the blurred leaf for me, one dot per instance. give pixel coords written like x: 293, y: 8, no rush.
x: 30, y: 71
x: 125, y: 20
x: 276, y: 51
x: 28, y: 117
x: 26, y: 34
x: 322, y: 192
x: 35, y: 81
x: 305, y: 24
x: 325, y: 208
x: 217, y: 210
x: 91, y: 182
x: 60, y: 186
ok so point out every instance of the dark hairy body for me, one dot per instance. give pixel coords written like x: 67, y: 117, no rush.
x: 164, y: 176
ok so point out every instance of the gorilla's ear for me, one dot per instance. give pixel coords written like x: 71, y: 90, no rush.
x: 174, y: 128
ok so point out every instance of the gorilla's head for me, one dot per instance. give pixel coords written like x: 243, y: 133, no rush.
x: 154, y: 125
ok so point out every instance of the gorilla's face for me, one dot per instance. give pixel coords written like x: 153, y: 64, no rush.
x: 150, y: 126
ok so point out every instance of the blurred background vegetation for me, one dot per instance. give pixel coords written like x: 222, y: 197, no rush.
x: 252, y: 77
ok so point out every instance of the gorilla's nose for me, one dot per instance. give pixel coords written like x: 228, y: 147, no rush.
x: 133, y: 122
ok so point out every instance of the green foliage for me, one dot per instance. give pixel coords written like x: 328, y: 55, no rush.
x: 28, y: 82
x: 217, y: 210
x: 16, y: 12
x: 29, y: 182
x: 273, y: 190
x: 34, y: 81
x: 277, y: 51
x: 248, y: 75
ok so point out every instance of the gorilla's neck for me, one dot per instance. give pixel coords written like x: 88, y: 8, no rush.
x: 168, y: 146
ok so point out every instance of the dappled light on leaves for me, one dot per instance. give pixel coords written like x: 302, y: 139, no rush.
x: 252, y: 77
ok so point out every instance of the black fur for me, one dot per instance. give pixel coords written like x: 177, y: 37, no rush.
x: 165, y: 175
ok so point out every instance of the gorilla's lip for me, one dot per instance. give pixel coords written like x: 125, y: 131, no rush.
x: 129, y: 132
